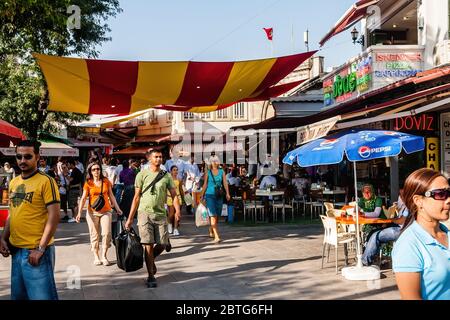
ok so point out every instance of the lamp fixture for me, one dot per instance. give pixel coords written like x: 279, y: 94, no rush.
x: 355, y: 39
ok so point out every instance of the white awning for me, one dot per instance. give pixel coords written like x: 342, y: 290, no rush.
x: 316, y: 130
x: 48, y: 149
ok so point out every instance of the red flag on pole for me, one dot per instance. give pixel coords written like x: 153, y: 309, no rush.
x: 269, y: 33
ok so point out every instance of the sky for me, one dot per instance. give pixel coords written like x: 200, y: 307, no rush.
x: 225, y: 30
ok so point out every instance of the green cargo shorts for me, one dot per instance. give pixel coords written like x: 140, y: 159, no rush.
x: 152, y: 231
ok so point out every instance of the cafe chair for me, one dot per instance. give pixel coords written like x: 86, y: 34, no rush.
x: 390, y: 213
x: 252, y: 206
x: 334, y: 238
x: 286, y: 203
x: 316, y: 203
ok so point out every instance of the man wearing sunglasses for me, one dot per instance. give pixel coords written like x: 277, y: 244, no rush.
x: 30, y: 227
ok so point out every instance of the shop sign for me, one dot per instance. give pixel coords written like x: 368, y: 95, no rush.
x: 315, y: 130
x: 397, y: 65
x: 445, y: 141
x: 353, y: 79
x: 423, y: 122
x: 376, y: 68
x: 432, y: 153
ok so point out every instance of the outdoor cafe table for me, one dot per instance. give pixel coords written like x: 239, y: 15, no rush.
x: 333, y: 193
x: 362, y: 220
x: 265, y: 193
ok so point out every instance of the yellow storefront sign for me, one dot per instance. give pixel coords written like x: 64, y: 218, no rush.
x: 433, y: 153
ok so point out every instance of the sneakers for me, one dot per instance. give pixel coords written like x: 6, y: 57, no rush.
x: 170, y: 228
x: 176, y: 232
x: 151, y: 282
x: 97, y: 262
x: 71, y: 220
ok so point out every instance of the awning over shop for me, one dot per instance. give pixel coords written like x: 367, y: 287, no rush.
x: 135, y: 150
x: 154, y: 138
x: 124, y: 134
x: 354, y: 14
x: 196, y: 147
x: 9, y: 133
x: 123, y: 87
x: 48, y: 149
x: 88, y: 144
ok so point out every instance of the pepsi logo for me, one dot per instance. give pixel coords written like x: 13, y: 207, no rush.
x: 328, y: 142
x: 364, y: 152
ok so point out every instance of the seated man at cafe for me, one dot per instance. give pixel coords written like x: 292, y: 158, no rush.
x: 371, y: 206
x: 369, y: 203
x: 301, y: 183
x: 385, y: 235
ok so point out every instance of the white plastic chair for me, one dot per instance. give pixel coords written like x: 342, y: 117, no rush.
x: 334, y: 238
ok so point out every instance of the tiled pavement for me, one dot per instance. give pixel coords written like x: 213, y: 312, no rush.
x: 261, y: 262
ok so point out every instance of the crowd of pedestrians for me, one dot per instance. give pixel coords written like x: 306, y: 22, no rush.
x: 146, y: 190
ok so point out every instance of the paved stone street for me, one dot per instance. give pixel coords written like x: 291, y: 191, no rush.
x: 261, y: 262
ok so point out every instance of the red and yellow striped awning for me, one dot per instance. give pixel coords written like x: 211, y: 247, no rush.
x: 123, y: 87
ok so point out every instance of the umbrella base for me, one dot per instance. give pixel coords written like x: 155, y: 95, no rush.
x: 361, y: 273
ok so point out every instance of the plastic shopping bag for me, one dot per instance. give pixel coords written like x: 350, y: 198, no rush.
x: 188, y: 199
x: 201, y: 216
x: 224, y: 211
x: 129, y: 251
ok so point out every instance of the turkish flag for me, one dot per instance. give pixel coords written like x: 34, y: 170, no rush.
x: 269, y: 33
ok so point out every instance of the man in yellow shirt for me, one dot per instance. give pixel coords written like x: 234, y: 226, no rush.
x: 28, y: 234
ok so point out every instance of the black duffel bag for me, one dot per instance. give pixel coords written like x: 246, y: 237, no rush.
x: 129, y: 251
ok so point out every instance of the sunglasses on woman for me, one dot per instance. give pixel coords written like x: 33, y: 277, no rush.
x: 438, y: 194
x: 95, y: 169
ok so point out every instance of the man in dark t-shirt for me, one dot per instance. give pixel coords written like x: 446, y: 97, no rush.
x: 74, y: 193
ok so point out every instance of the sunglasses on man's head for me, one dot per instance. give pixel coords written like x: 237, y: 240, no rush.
x: 438, y: 194
x: 26, y: 156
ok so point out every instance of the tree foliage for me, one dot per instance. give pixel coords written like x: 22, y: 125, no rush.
x: 41, y: 26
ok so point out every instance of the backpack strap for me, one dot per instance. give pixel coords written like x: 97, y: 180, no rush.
x: 158, y: 177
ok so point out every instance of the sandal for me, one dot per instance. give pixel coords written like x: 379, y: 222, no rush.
x: 105, y: 262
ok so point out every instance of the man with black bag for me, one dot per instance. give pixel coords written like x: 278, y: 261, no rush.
x: 151, y: 187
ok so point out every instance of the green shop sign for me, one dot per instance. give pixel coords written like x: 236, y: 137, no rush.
x: 343, y: 85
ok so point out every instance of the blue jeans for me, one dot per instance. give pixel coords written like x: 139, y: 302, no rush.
x: 33, y: 282
x: 117, y: 190
x: 375, y: 241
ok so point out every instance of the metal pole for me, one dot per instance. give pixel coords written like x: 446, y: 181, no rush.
x: 358, y: 240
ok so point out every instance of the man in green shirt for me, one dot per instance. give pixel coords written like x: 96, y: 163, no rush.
x: 152, y: 215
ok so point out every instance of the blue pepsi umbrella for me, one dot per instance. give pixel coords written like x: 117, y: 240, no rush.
x: 357, y: 145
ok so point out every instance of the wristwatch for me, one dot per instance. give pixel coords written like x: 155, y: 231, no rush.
x: 40, y: 249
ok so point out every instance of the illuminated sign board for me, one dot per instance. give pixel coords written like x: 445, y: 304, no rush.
x: 378, y: 67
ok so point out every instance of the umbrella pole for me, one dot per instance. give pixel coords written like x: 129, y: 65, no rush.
x: 358, y: 240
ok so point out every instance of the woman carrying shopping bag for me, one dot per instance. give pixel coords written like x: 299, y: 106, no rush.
x: 99, y: 215
x: 213, y: 192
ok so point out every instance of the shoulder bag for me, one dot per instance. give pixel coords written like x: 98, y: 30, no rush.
x: 218, y: 190
x: 99, y: 203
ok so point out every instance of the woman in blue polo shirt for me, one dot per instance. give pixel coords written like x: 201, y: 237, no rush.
x: 421, y: 255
